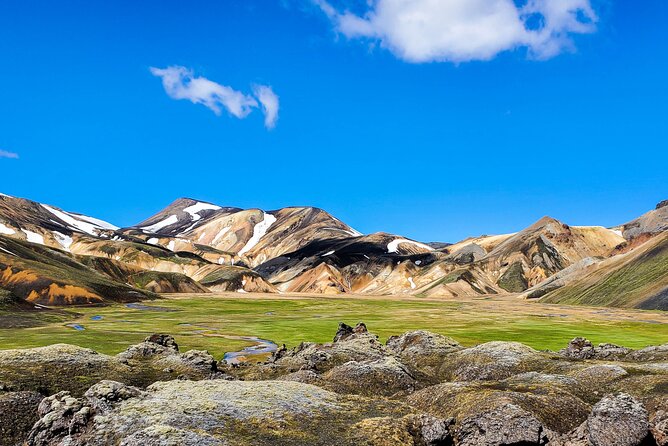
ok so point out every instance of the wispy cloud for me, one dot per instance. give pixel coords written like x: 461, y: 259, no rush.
x: 465, y: 30
x: 6, y: 154
x: 181, y: 83
x: 270, y: 104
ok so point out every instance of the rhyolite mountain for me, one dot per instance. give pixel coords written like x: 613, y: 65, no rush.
x: 52, y: 256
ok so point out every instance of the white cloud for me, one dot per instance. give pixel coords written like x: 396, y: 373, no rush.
x: 5, y: 154
x: 466, y: 30
x: 270, y: 104
x: 181, y: 83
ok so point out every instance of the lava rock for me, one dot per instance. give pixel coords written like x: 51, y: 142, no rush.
x: 507, y: 424
x: 618, y: 420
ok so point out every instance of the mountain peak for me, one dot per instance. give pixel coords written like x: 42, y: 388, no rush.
x: 662, y: 204
x: 544, y: 221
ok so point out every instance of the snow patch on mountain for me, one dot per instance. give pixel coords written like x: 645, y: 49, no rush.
x: 6, y: 230
x: 171, y: 244
x: 78, y: 222
x: 172, y: 219
x: 195, y: 209
x: 96, y: 221
x: 410, y: 280
x: 259, y: 231
x: 33, y: 237
x: 393, y: 246
x: 63, y: 240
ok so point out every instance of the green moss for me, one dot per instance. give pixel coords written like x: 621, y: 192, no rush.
x: 513, y: 279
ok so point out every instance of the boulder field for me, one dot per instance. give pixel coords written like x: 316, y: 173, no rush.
x: 417, y: 389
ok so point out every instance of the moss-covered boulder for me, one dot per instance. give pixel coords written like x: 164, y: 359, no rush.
x: 422, y: 350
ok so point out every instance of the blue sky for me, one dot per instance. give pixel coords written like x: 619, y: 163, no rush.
x: 437, y: 144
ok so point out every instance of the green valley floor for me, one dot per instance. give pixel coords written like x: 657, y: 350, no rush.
x: 210, y: 322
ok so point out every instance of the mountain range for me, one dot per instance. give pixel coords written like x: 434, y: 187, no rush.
x: 49, y: 256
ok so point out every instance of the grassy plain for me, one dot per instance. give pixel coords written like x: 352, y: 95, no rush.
x: 201, y: 321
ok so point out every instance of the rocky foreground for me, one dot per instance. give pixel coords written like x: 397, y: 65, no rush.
x: 420, y: 389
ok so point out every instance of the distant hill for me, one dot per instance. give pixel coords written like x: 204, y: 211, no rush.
x: 638, y: 279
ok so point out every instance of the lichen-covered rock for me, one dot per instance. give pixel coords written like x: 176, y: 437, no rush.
x: 353, y: 391
x: 552, y: 401
x: 18, y: 413
x: 161, y: 435
x: 506, y: 424
x: 411, y: 430
x: 659, y: 426
x: 62, y: 367
x: 618, y: 420
x: 192, y: 364
x: 577, y: 437
x: 652, y: 353
x: 600, y: 374
x: 385, y: 377
x: 61, y: 416
x: 423, y: 350
x: 302, y: 376
x: 492, y: 361
x: 58, y: 367
x: 163, y: 339
x: 160, y: 352
x: 582, y: 348
x: 218, y: 412
x: 154, y: 345
x: 104, y: 395
x: 346, y: 331
x: 352, y: 344
x: 384, y: 431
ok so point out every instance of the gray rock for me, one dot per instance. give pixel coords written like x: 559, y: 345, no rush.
x: 653, y: 353
x: 491, y: 361
x: 659, y: 427
x: 581, y: 348
x: 346, y: 331
x: 164, y: 340
x: 360, y: 345
x: 161, y: 435
x: 600, y: 374
x: 506, y: 424
x: 103, y: 396
x: 618, y: 420
x: 434, y: 431
x: 62, y: 416
x: 422, y: 350
x: 380, y: 377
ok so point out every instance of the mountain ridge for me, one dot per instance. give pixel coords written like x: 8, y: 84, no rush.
x: 198, y: 246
